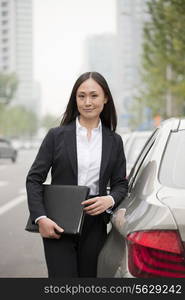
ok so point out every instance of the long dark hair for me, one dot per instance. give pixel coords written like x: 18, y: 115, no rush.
x: 108, y: 115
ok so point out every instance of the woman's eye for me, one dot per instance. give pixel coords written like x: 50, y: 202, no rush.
x: 81, y: 96
x: 94, y: 96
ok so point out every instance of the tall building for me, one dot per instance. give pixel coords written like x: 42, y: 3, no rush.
x: 100, y: 56
x: 7, y: 36
x: 131, y: 15
x: 16, y: 47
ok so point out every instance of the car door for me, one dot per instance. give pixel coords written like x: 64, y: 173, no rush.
x: 141, y: 161
x: 140, y: 184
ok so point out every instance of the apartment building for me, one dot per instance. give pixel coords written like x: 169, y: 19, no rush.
x: 16, y: 47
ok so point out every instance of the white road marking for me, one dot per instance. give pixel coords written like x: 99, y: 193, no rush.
x: 3, y: 183
x: 22, y: 191
x: 16, y: 201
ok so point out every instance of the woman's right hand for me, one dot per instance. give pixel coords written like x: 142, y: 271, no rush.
x: 47, y: 229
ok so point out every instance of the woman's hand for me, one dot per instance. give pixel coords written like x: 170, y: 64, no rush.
x: 48, y: 228
x: 97, y: 205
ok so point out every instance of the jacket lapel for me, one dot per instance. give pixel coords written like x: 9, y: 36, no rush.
x: 70, y: 142
x: 106, y: 151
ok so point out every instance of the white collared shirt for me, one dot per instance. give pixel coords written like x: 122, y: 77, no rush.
x: 89, y: 152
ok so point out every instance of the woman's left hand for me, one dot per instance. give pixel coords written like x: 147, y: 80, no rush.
x: 97, y: 205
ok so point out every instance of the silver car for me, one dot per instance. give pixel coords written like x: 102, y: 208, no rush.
x: 133, y: 146
x: 7, y: 150
x: 147, y: 237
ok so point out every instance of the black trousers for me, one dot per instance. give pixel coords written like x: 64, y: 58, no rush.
x: 76, y: 256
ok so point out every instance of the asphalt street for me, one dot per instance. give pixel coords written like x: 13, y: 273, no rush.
x: 21, y: 252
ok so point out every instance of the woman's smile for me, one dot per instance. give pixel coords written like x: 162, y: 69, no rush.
x: 88, y: 109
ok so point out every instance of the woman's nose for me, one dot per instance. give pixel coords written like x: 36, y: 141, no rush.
x: 87, y: 101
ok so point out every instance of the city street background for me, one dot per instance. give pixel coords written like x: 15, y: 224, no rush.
x: 137, y: 45
x: 21, y: 252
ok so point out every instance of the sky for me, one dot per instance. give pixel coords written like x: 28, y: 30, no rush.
x: 60, y: 28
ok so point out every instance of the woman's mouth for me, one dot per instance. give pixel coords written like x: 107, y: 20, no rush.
x: 88, y: 110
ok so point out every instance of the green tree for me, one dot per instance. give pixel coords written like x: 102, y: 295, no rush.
x: 17, y: 121
x: 49, y: 121
x: 8, y: 87
x: 163, y: 59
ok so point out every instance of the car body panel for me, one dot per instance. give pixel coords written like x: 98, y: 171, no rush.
x: 149, y: 205
x: 175, y: 200
x: 150, y: 216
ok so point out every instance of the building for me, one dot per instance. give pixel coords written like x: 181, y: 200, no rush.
x: 16, y: 48
x: 131, y: 15
x: 100, y: 56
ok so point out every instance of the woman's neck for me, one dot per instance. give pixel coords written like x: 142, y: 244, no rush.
x: 89, y: 123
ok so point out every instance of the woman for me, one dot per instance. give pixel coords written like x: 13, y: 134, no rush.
x: 84, y: 150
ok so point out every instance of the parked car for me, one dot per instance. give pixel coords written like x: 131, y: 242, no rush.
x: 135, y: 141
x: 7, y: 150
x: 147, y: 237
x: 125, y: 138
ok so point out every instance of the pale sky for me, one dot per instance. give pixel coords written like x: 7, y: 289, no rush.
x: 60, y: 28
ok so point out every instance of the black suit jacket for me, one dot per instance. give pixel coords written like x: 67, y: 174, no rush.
x: 58, y: 151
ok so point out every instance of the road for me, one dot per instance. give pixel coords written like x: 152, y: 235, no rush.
x: 21, y: 252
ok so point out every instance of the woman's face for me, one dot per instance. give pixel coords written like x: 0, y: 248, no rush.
x: 90, y: 99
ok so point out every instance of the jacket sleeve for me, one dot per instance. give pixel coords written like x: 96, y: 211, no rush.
x: 37, y: 176
x: 118, y: 180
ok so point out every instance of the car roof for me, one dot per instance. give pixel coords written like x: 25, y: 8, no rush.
x: 172, y: 123
x: 182, y: 124
x: 3, y: 140
x: 141, y: 133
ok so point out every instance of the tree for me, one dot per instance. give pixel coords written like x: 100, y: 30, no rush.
x: 8, y: 87
x: 49, y: 121
x: 17, y: 121
x: 163, y: 59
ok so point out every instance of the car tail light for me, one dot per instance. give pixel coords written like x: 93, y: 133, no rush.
x: 156, y: 253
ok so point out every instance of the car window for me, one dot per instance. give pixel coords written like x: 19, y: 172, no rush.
x: 173, y: 161
x: 3, y: 144
x: 135, y: 148
x: 142, y: 157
